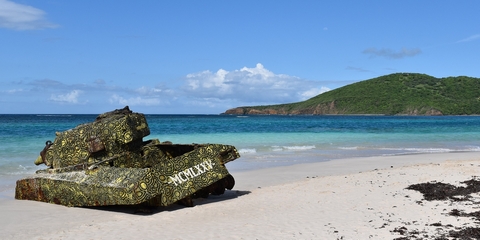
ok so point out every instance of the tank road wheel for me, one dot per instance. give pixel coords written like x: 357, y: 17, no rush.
x: 216, y: 188
x: 229, y: 182
x: 187, y: 201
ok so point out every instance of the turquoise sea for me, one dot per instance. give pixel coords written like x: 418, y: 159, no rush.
x: 263, y: 141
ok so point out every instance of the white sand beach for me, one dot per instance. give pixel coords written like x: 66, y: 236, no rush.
x: 361, y: 198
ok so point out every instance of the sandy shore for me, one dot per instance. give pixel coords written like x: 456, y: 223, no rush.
x: 362, y: 198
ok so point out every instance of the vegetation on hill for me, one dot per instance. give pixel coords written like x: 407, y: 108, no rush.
x: 394, y: 94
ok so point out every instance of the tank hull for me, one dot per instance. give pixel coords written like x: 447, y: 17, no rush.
x: 166, y: 182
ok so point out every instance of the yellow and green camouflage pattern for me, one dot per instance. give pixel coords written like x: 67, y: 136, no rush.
x: 110, y: 134
x: 118, y: 168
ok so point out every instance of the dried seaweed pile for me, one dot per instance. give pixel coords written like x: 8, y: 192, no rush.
x: 446, y: 192
x: 443, y: 191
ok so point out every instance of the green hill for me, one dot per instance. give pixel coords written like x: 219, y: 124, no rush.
x: 394, y: 94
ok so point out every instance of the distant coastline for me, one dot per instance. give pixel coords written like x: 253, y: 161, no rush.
x: 398, y: 94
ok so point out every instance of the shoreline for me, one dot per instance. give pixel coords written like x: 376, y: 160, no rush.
x: 347, y: 166
x: 355, y: 198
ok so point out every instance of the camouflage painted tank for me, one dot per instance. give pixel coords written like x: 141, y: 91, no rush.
x: 106, y: 162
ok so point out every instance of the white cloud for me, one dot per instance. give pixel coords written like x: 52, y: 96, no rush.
x: 11, y: 91
x: 202, y: 92
x: 313, y: 92
x: 71, y: 97
x: 389, y: 53
x: 134, y: 101
x: 250, y: 85
x: 22, y: 17
x: 209, y: 80
x: 152, y: 91
x: 205, y: 102
x: 471, y: 38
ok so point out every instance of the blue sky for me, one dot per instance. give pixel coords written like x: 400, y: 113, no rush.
x: 204, y: 57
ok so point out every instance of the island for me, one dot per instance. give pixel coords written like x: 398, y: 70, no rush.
x: 393, y: 94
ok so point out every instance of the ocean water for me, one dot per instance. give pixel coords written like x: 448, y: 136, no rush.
x: 263, y: 141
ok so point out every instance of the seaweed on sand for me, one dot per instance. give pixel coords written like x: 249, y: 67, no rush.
x: 442, y: 191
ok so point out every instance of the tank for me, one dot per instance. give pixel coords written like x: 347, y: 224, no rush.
x: 107, y: 162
